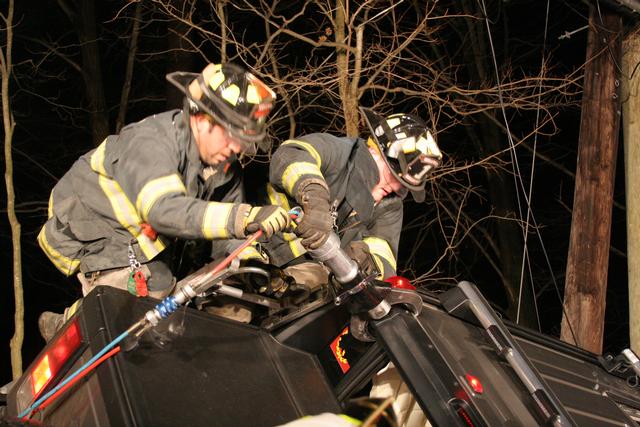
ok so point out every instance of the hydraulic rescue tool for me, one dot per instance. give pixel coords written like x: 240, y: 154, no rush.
x: 368, y: 297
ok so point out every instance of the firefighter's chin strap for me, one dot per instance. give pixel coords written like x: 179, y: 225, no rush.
x: 151, y: 318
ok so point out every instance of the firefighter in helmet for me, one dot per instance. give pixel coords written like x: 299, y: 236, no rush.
x: 172, y: 175
x: 353, y: 186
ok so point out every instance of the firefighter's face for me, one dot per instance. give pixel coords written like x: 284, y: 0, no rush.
x: 215, y: 145
x: 387, y: 184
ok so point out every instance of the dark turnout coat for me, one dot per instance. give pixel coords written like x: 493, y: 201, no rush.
x: 349, y: 170
x: 147, y: 180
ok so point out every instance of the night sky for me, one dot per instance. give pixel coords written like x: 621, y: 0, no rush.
x: 53, y: 129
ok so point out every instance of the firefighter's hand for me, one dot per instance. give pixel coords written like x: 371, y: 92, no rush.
x: 317, y: 222
x: 359, y: 252
x: 270, y: 219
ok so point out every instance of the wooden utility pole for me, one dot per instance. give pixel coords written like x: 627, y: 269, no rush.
x: 631, y: 131
x: 588, y: 258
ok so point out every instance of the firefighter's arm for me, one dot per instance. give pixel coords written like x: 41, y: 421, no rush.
x: 156, y: 195
x: 189, y: 218
x: 297, y: 163
x: 296, y: 168
x: 383, y: 235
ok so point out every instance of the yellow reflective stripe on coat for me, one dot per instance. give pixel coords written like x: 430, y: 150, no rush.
x: 250, y: 252
x: 380, y: 247
x: 97, y: 159
x: 123, y: 209
x: 70, y: 311
x: 308, y: 147
x: 295, y: 244
x: 155, y: 189
x: 295, y: 171
x: 128, y: 217
x: 50, y: 206
x: 66, y: 265
x: 277, y: 198
x: 280, y: 199
x: 215, y: 220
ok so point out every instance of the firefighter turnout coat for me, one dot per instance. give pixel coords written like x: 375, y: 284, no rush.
x: 350, y: 172
x: 142, y: 188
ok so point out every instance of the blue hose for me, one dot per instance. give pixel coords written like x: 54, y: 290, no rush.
x: 108, y: 347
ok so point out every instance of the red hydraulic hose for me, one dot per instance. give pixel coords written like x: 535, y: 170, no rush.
x: 237, y: 251
x: 115, y: 350
x: 72, y: 382
x: 225, y: 262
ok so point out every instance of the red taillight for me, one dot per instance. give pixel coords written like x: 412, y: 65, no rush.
x: 465, y: 417
x: 41, y: 375
x: 475, y: 383
x: 58, y: 353
x: 464, y: 411
x: 400, y: 283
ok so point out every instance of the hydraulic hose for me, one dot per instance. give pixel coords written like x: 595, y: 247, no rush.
x: 71, y: 377
x: 151, y: 318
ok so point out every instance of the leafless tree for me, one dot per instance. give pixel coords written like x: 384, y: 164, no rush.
x: 6, y: 70
x: 434, y: 59
x: 325, y: 58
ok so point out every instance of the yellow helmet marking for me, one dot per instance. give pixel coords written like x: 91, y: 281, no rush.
x: 252, y: 95
x: 231, y: 94
x: 216, y: 80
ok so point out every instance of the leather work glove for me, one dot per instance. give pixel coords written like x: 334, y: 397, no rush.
x: 359, y: 252
x: 270, y: 219
x: 317, y: 222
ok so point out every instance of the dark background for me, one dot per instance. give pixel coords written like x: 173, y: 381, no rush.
x: 50, y: 136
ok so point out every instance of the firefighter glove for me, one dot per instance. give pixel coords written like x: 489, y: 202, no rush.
x: 317, y: 222
x: 270, y: 219
x: 359, y: 252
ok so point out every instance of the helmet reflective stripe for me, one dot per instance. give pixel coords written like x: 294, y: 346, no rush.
x: 410, y: 150
x: 408, y: 145
x: 216, y: 80
x: 231, y: 94
x: 429, y: 146
x: 252, y: 95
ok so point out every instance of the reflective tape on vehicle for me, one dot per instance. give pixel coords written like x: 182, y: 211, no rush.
x: 156, y: 189
x: 297, y: 170
x: 216, y: 219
